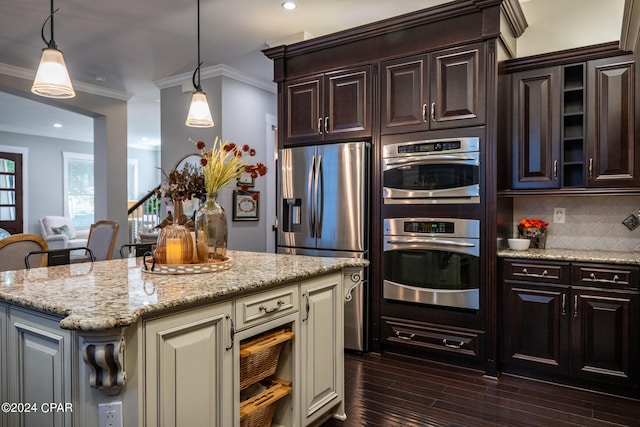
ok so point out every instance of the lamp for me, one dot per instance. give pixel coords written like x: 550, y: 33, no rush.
x: 199, y: 114
x: 52, y: 79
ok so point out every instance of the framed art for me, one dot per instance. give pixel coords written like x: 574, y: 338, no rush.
x: 245, y: 206
x: 246, y: 179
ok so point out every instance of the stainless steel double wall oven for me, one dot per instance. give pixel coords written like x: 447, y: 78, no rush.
x: 432, y: 259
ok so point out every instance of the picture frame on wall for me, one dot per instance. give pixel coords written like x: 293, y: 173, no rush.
x: 246, y: 179
x: 246, y: 206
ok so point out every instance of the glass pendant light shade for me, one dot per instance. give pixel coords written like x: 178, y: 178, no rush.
x: 199, y: 113
x: 52, y: 79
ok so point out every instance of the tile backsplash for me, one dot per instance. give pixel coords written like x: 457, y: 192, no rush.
x: 591, y: 222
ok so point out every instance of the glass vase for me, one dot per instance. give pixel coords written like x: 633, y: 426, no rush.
x: 211, y: 231
x: 175, y: 244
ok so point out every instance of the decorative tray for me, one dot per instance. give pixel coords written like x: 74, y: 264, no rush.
x: 205, y: 267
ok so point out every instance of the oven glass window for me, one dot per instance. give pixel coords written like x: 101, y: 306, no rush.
x: 432, y: 269
x: 431, y: 176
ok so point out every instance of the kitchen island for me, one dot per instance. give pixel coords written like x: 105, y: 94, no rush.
x: 110, y: 337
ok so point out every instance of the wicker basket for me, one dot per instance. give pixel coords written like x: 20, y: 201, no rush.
x: 258, y: 411
x: 259, y: 356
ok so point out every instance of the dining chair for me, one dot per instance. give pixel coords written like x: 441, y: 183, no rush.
x: 14, y: 248
x: 58, y: 256
x: 102, y: 239
x: 136, y: 249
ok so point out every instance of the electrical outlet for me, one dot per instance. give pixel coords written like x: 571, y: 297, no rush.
x: 631, y: 222
x: 110, y: 414
x: 559, y: 215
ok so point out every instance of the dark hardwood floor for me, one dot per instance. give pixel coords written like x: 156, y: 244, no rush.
x: 386, y: 391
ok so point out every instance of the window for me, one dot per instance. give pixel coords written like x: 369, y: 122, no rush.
x: 78, y: 188
x: 132, y: 179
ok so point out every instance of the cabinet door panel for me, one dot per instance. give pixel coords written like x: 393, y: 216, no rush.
x: 348, y: 104
x: 457, y: 87
x: 321, y: 346
x: 536, y: 130
x: 187, y: 369
x: 612, y: 128
x: 604, y: 327
x: 40, y: 361
x: 303, y: 108
x: 535, y: 325
x: 404, y: 95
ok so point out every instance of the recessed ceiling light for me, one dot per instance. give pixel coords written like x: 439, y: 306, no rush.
x: 289, y: 5
x: 57, y: 125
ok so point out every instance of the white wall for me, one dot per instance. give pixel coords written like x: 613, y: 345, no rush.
x: 239, y: 112
x: 566, y: 24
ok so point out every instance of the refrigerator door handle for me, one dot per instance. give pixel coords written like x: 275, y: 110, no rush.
x: 311, y: 198
x: 319, y: 198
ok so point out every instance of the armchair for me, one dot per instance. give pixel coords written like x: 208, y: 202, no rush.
x: 60, y: 233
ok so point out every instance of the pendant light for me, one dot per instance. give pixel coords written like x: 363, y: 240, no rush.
x: 199, y: 114
x: 52, y: 79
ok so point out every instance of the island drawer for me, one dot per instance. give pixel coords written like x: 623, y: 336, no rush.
x: 605, y: 276
x: 258, y: 308
x: 537, y: 271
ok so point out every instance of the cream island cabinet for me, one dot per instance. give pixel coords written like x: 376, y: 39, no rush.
x: 81, y: 340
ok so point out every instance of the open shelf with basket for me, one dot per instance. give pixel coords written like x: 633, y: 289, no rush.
x: 266, y: 374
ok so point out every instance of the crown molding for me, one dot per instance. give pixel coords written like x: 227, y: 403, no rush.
x: 23, y: 73
x: 630, y: 33
x: 217, y: 71
x: 514, y: 16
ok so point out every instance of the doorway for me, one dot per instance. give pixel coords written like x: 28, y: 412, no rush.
x: 11, y: 192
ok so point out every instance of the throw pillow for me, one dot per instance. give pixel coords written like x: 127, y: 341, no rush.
x: 63, y: 229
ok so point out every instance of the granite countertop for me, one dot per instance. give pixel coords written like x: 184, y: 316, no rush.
x: 611, y: 257
x: 108, y: 294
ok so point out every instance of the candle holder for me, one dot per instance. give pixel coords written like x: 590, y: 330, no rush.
x: 175, y: 244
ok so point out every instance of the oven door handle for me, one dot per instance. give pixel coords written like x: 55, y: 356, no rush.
x: 426, y: 243
x: 430, y: 159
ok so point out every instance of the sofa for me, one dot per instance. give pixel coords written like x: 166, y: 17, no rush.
x: 60, y: 233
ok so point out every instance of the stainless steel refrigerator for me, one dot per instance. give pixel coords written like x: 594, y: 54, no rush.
x: 323, y: 210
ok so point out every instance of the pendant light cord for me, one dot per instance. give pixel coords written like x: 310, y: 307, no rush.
x: 197, y: 70
x: 51, y: 44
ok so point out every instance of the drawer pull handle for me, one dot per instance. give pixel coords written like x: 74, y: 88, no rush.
x: 526, y: 273
x: 433, y: 112
x: 272, y: 309
x: 403, y: 337
x: 575, y: 306
x: 615, y: 279
x: 232, y: 333
x: 425, y: 113
x: 564, y: 304
x: 459, y: 345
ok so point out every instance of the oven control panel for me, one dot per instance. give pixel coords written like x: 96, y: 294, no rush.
x: 429, y: 227
x: 451, y: 227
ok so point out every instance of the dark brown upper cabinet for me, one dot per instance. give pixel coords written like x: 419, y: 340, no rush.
x: 328, y: 107
x: 573, y: 124
x: 612, y: 128
x: 536, y: 128
x: 440, y: 90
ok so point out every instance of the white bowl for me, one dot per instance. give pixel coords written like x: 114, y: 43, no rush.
x: 519, y: 244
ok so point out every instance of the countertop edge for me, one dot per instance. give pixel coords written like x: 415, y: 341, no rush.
x: 72, y: 320
x: 596, y: 256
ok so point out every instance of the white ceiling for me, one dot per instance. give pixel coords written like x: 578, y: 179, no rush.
x: 126, y: 45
